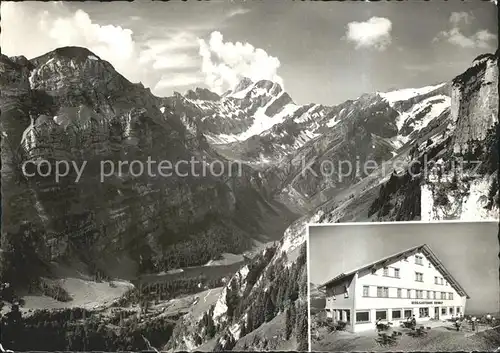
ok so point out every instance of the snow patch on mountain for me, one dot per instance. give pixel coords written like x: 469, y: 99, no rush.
x: 468, y: 203
x: 220, y: 307
x: 240, y: 94
x: 407, y: 93
x: 437, y: 105
x: 473, y: 206
x: 304, y: 137
x: 261, y: 123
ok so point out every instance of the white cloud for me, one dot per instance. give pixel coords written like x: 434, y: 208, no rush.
x: 374, y: 33
x: 224, y: 64
x: 168, y: 81
x: 175, y: 51
x: 236, y: 12
x: 457, y: 17
x: 482, y: 39
x: 175, y: 61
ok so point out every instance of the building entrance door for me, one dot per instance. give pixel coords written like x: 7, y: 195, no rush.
x: 436, y: 312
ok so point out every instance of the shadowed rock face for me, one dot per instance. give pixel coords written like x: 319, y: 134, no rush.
x: 202, y: 94
x: 475, y: 94
x: 69, y: 105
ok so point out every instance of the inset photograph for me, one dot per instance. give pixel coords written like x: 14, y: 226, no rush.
x: 404, y: 286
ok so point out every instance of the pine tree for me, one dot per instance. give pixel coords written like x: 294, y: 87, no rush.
x: 303, y: 284
x: 211, y: 330
x: 249, y: 323
x: 288, y: 323
x: 259, y: 311
x: 243, y: 330
x: 269, y: 308
x: 302, y: 328
x: 232, y: 299
x: 293, y: 315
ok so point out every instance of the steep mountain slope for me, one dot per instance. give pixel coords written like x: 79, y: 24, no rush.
x: 69, y: 105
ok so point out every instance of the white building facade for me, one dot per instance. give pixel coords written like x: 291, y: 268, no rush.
x: 411, y: 283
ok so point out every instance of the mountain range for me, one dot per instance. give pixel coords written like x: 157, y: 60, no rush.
x: 69, y: 104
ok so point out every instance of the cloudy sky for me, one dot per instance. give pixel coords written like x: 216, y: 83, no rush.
x: 468, y: 250
x: 322, y: 52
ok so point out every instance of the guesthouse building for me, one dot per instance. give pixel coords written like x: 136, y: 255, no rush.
x: 410, y: 283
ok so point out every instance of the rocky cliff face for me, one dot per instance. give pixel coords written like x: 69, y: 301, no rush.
x: 70, y: 105
x: 468, y: 190
x: 475, y: 101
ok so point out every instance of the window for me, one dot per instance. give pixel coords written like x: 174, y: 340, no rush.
x: 382, y: 292
x: 418, y: 260
x: 443, y: 311
x: 399, y: 292
x: 386, y: 271
x: 436, y: 280
x: 366, y: 292
x: 458, y: 310
x: 430, y: 265
x: 406, y: 259
x: 441, y: 280
x: 381, y: 314
x: 346, y: 291
x: 408, y: 313
x: 419, y: 277
x: 420, y: 294
x: 396, y: 314
x: 423, y: 312
x: 408, y: 293
x: 396, y: 272
x: 435, y: 295
x: 362, y: 316
x: 450, y: 296
x: 428, y: 294
x: 443, y: 295
x: 451, y: 311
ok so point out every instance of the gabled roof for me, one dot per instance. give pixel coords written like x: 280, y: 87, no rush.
x: 424, y: 249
